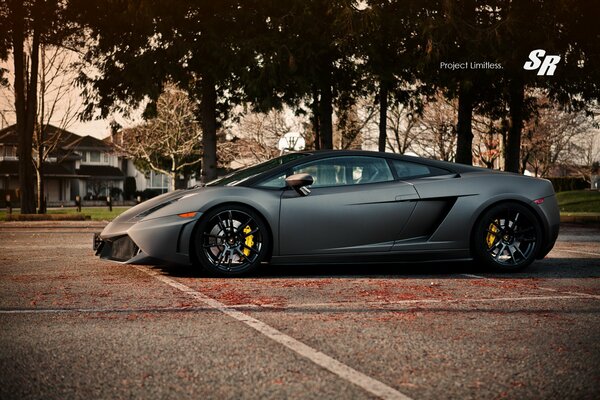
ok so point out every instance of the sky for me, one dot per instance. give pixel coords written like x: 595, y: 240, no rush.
x: 70, y: 100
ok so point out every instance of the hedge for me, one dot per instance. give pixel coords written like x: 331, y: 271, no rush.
x: 566, y: 183
x: 46, y: 217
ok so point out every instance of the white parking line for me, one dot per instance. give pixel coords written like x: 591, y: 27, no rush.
x: 579, y: 294
x: 342, y: 370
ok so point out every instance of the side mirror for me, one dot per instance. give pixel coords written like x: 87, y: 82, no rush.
x: 299, y: 183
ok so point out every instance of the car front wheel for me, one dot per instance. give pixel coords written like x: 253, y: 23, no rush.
x: 231, y: 240
x: 507, y: 237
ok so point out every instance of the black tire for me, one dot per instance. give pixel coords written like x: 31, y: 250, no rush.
x: 507, y: 237
x: 231, y: 240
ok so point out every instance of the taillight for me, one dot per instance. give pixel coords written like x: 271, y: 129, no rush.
x: 539, y: 201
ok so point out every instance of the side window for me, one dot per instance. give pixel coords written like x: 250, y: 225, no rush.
x: 409, y: 170
x: 339, y: 171
x: 277, y: 183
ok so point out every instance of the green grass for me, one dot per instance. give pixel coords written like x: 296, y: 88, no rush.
x: 579, y: 201
x: 576, y: 202
x: 96, y: 213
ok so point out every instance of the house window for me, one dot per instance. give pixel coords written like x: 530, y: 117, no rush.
x: 157, y: 181
x: 105, y: 156
x: 94, y: 156
x: 9, y: 152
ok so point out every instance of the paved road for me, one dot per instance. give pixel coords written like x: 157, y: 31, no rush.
x: 72, y: 326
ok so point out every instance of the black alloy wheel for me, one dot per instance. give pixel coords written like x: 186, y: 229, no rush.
x: 507, y: 237
x: 231, y: 240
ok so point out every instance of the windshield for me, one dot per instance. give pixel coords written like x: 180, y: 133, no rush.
x: 241, y: 175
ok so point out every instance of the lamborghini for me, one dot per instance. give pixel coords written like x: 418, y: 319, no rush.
x: 341, y: 207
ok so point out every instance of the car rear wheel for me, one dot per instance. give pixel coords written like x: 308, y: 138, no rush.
x: 231, y: 240
x: 507, y: 237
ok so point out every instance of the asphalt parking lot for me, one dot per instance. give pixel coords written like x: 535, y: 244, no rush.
x: 73, y: 326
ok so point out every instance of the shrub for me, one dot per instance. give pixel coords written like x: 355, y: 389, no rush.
x: 566, y: 183
x: 130, y: 188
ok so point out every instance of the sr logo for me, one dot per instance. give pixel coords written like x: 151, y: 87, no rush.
x: 546, y: 65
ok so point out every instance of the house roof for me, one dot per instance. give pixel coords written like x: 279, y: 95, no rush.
x: 88, y: 143
x: 9, y: 135
x: 50, y: 170
x: 101, y: 171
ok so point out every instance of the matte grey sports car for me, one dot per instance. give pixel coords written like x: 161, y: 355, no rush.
x: 341, y: 207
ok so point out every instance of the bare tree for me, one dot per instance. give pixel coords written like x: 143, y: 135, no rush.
x: 586, y: 154
x: 169, y: 142
x: 404, y: 127
x: 254, y: 138
x: 351, y: 123
x: 487, y: 140
x: 552, y: 137
x: 56, y: 106
x: 437, y: 138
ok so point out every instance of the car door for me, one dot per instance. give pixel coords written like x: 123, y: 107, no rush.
x: 354, y: 206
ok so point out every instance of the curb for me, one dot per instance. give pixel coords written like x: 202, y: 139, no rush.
x: 580, y: 219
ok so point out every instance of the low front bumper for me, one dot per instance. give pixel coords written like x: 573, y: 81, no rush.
x: 159, y: 240
x: 120, y: 249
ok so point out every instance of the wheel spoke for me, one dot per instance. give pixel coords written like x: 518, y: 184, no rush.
x: 519, y: 250
x: 524, y: 230
x: 221, y: 223
x: 242, y: 226
x: 250, y: 248
x: 220, y: 257
x: 252, y: 232
x: 500, y: 252
x: 496, y: 224
x: 230, y: 221
x: 512, y: 255
x: 527, y: 240
x: 241, y: 253
x: 514, y: 227
x: 494, y: 245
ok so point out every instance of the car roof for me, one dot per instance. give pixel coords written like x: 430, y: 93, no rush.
x: 454, y: 167
x: 321, y: 154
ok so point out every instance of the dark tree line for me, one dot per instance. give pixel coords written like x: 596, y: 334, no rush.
x: 322, y: 55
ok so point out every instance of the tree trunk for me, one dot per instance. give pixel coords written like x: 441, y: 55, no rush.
x: 26, y: 192
x: 315, y: 118
x: 464, y: 139
x: 325, y: 113
x: 172, y: 181
x: 516, y: 92
x: 208, y: 121
x: 41, y: 190
x: 39, y: 169
x: 383, y: 106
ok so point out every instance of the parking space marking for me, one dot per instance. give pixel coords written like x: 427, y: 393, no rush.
x: 579, y: 294
x: 338, y: 368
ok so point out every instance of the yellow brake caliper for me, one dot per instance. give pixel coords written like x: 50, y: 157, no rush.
x: 491, y: 237
x: 249, y: 240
